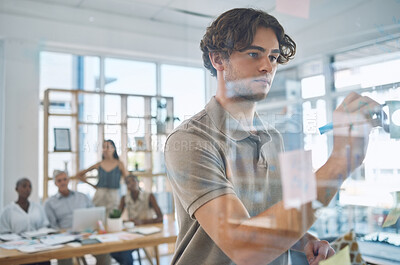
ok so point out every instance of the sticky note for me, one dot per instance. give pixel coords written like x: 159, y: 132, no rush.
x: 297, y: 8
x: 298, y: 179
x: 342, y: 258
x: 392, y: 217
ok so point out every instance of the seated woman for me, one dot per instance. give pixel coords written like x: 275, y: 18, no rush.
x: 139, y: 204
x: 23, y: 215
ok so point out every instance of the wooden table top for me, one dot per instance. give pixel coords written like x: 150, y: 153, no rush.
x: 168, y: 234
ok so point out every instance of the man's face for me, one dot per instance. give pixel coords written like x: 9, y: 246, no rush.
x: 248, y: 74
x: 62, y: 182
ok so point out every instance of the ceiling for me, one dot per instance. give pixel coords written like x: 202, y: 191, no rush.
x: 332, y: 26
x: 199, y: 13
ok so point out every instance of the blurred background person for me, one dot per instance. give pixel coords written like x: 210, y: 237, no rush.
x: 142, y: 207
x: 23, y: 215
x: 110, y: 170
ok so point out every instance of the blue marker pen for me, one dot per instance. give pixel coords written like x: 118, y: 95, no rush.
x: 381, y: 119
x: 326, y: 128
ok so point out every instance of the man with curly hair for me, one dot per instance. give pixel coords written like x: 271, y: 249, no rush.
x: 223, y: 162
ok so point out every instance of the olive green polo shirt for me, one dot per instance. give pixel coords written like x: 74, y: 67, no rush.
x: 210, y: 155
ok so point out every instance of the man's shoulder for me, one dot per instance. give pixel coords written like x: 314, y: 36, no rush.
x: 188, y: 127
x: 80, y: 194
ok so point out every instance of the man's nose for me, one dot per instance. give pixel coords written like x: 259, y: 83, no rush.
x: 266, y: 65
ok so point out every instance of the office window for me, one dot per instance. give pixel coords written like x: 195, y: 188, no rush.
x: 56, y: 71
x: 130, y: 77
x: 186, y: 85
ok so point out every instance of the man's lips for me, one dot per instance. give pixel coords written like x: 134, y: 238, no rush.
x: 264, y: 81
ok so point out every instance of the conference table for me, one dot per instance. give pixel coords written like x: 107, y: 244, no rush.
x: 168, y: 234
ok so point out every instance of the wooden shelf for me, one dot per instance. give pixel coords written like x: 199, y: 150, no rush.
x: 147, y: 121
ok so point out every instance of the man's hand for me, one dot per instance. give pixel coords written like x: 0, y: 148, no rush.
x: 317, y: 250
x: 353, y: 120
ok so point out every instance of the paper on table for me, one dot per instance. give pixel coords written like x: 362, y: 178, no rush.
x: 57, y: 239
x: 297, y: 8
x: 392, y: 217
x: 111, y: 237
x: 40, y: 232
x: 145, y: 230
x: 342, y: 258
x: 37, y: 248
x: 18, y: 243
x: 9, y: 237
x: 298, y: 179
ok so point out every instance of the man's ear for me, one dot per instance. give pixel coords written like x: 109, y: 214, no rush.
x: 217, y: 60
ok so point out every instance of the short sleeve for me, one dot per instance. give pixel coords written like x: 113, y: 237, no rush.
x: 196, y: 169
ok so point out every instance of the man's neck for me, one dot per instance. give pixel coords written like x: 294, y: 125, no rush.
x: 243, y: 111
x: 64, y: 193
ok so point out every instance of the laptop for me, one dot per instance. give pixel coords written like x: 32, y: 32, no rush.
x: 86, y: 219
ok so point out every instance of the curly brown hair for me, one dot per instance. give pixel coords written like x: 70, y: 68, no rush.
x: 234, y: 30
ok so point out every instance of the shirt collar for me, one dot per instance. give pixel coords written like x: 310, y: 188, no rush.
x: 231, y: 127
x: 59, y: 195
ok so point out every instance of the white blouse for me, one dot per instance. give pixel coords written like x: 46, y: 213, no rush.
x: 14, y: 219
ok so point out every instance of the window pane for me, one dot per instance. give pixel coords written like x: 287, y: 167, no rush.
x: 56, y: 71
x: 313, y: 86
x: 187, y: 86
x: 91, y: 73
x: 130, y: 77
x: 112, y: 109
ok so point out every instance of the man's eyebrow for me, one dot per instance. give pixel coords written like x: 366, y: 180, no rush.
x: 261, y: 49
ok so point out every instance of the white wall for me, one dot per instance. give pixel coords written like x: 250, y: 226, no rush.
x: 21, y: 82
x: 2, y: 119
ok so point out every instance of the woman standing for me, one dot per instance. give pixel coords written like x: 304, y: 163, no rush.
x: 22, y: 215
x: 110, y: 169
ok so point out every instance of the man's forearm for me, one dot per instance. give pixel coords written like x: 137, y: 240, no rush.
x: 329, y: 179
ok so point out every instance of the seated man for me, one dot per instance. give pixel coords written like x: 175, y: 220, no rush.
x: 59, y: 209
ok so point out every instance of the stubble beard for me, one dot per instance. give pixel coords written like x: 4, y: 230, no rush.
x: 240, y: 90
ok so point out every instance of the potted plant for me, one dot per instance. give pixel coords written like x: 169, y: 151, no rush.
x: 114, y: 221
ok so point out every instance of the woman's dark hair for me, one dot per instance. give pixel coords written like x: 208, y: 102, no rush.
x: 20, y: 181
x: 115, y: 155
x: 133, y: 176
x: 234, y: 30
